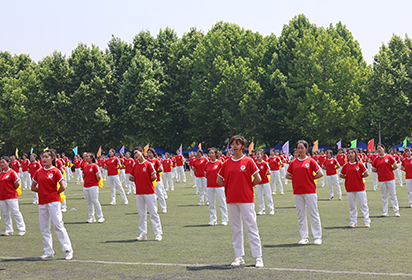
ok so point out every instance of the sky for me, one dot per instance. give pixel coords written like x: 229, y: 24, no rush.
x: 40, y: 27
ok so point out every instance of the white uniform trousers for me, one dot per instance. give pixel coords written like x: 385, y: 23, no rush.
x: 309, y: 201
x: 26, y: 179
x: 340, y: 179
x: 398, y: 176
x: 333, y: 180
x: 192, y: 173
x: 160, y: 194
x: 52, y: 211
x: 268, y: 194
x: 237, y: 211
x: 145, y: 202
x: 11, y: 207
x: 408, y: 183
x: 201, y: 188
x: 68, y: 173
x: 104, y: 174
x: 363, y: 205
x: 122, y: 175
x: 389, y: 187
x: 283, y: 174
x: 79, y: 175
x: 275, y: 179
x: 92, y: 196
x: 114, y: 182
x: 375, y: 180
x: 35, y: 198
x: 221, y: 200
x: 127, y: 183
x: 174, y: 174
x: 181, y: 173
x: 168, y: 181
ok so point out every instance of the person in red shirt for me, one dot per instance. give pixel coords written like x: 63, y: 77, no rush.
x: 33, y: 167
x: 320, y: 160
x: 143, y: 175
x: 213, y: 189
x: 112, y: 166
x: 192, y: 158
x: 330, y: 165
x: 122, y: 171
x: 15, y: 165
x: 179, y: 167
x: 160, y: 190
x: 103, y: 171
x: 264, y: 186
x: 301, y: 172
x: 283, y: 159
x: 91, y: 175
x: 407, y: 168
x: 397, y: 172
x: 78, y: 170
x: 25, y: 170
x: 384, y: 165
x: 45, y: 182
x: 128, y: 164
x: 199, y: 169
x: 67, y: 168
x: 274, y: 164
x: 174, y: 173
x: 60, y: 166
x: 353, y: 172
x: 9, y: 203
x: 167, y: 172
x: 341, y: 159
x: 235, y: 175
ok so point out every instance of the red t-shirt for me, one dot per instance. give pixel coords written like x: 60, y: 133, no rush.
x: 15, y: 165
x: 33, y: 167
x: 112, y: 164
x: 321, y: 159
x: 302, y: 175
x: 407, y: 164
x: 397, y: 158
x: 83, y: 164
x: 211, y: 170
x: 372, y: 157
x: 59, y: 164
x: 129, y: 165
x: 330, y: 165
x: 77, y: 163
x: 274, y: 163
x: 341, y: 158
x: 142, y: 173
x: 7, y: 180
x: 156, y: 164
x: 263, y: 171
x: 200, y: 164
x: 237, y: 176
x: 179, y: 160
x: 121, y: 160
x: 90, y: 172
x: 25, y: 165
x: 383, y: 166
x: 353, y: 176
x: 167, y: 163
x: 47, y: 180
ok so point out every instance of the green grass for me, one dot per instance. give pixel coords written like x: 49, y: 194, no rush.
x: 384, y: 248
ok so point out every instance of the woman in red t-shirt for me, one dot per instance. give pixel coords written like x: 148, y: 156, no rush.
x: 91, y: 176
x: 264, y: 186
x: 236, y: 176
x: 45, y: 182
x: 384, y: 165
x: 9, y: 202
x: 213, y: 189
x: 112, y: 166
x: 33, y: 167
x: 407, y: 168
x: 167, y: 172
x: 353, y: 172
x: 301, y: 172
x: 160, y: 190
x: 192, y: 158
x: 199, y: 169
x: 330, y: 165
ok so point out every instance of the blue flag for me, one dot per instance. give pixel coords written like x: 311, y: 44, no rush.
x: 31, y: 151
x: 75, y: 150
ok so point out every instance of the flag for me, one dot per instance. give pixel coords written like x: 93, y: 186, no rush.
x: 17, y: 153
x: 99, y: 152
x: 121, y: 151
x: 405, y: 142
x: 315, y: 146
x: 31, y: 151
x: 75, y: 149
x: 339, y: 144
x: 180, y: 149
x: 250, y: 148
x: 371, y: 144
x: 199, y: 146
x: 227, y: 146
x: 353, y: 143
x: 285, y: 148
x: 45, y: 149
x: 146, y: 148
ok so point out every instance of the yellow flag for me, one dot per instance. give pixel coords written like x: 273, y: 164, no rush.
x: 45, y: 149
x: 315, y: 146
x: 17, y: 153
x: 146, y: 148
x: 250, y: 148
x: 99, y: 152
x: 200, y: 146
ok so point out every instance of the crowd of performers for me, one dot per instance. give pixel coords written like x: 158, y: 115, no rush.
x: 228, y: 179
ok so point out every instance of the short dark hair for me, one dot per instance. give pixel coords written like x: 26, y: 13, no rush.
x: 239, y: 139
x: 302, y: 142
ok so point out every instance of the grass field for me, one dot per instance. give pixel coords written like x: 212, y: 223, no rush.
x: 193, y: 250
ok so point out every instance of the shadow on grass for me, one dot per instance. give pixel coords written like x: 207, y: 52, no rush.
x: 74, y: 223
x: 36, y: 259
x: 203, y: 225
x: 286, y: 207
x: 124, y: 241
x: 290, y: 245
x: 341, y: 227
x: 214, y: 267
x: 135, y: 213
x: 188, y: 205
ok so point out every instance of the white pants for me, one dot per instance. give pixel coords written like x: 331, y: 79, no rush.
x: 11, y: 207
x: 268, y: 194
x: 283, y: 174
x: 35, y: 197
x: 69, y: 173
x: 363, y: 205
x: 52, y: 211
x: 79, y: 174
x: 192, y: 173
x: 201, y: 188
x: 114, y: 182
x: 127, y: 183
x: 309, y: 201
x: 398, y: 176
x: 144, y: 202
x: 92, y: 197
x: 333, y: 180
x: 168, y: 181
x: 340, y: 179
x: 104, y: 174
x: 221, y: 199
x: 174, y: 174
x: 160, y: 194
x: 26, y: 179
x: 389, y: 187
x: 408, y: 183
x: 237, y: 211
x: 181, y: 173
x: 375, y: 180
x: 275, y: 179
x: 122, y: 175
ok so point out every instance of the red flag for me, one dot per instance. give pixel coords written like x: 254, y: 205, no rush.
x: 371, y: 144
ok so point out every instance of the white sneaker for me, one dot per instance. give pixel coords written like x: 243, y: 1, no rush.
x: 303, y: 241
x: 340, y: 198
x: 274, y: 193
x: 126, y: 202
x: 367, y: 225
x: 158, y: 237
x: 410, y: 205
x: 91, y: 220
x: 141, y: 237
x: 385, y: 214
x: 129, y: 193
x: 330, y: 198
x: 207, y: 203
x: 397, y: 214
x: 259, y: 263
x: 101, y: 220
x: 46, y: 256
x: 261, y: 212
x: 7, y: 233
x: 317, y: 241
x: 113, y: 202
x: 64, y: 210
x: 35, y: 202
x: 224, y: 223
x: 69, y: 255
x: 281, y: 193
x: 238, y: 262
x: 164, y: 211
x: 21, y: 233
x: 352, y: 225
x: 272, y: 212
x: 213, y: 223
x: 200, y: 204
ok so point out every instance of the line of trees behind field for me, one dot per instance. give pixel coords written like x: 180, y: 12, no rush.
x: 307, y: 83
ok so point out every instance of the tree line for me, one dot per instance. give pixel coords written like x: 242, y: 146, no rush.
x: 308, y: 83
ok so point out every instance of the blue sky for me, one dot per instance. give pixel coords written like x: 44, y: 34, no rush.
x: 40, y: 27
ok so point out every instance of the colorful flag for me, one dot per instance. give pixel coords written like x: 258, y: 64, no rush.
x: 99, y: 152
x: 227, y: 146
x: 31, y: 151
x: 371, y: 144
x: 199, y: 146
x: 250, y: 148
x: 146, y: 148
x: 17, y: 153
x: 180, y: 149
x: 285, y: 148
x: 353, y: 143
x: 339, y: 144
x: 45, y: 149
x: 121, y: 151
x: 405, y: 142
x: 315, y: 146
x: 75, y: 149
